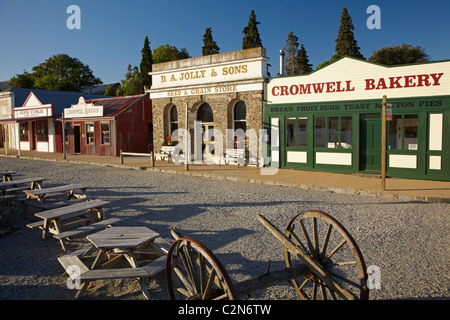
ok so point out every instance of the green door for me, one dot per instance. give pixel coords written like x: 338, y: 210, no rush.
x: 370, y: 145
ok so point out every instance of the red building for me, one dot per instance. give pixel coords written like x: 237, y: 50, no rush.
x: 105, y: 126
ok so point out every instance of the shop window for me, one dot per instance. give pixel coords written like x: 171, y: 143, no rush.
x: 24, y: 131
x: 320, y: 129
x: 346, y: 132
x: 204, y: 113
x: 105, y: 133
x: 173, y: 120
x: 410, y: 124
x: 333, y: 132
x: 403, y: 132
x: 42, y: 131
x: 90, y: 134
x: 296, y: 132
x: 240, y: 116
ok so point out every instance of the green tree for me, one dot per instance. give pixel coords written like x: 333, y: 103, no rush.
x: 209, y: 45
x: 322, y: 64
x: 166, y: 53
x: 110, y: 91
x: 132, y: 84
x: 401, y: 54
x: 63, y: 73
x: 346, y: 45
x: 146, y: 64
x: 290, y: 54
x: 251, y: 38
x: 24, y: 80
x: 303, y: 61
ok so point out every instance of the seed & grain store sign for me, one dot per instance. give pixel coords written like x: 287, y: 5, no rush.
x: 214, y: 79
x: 351, y: 79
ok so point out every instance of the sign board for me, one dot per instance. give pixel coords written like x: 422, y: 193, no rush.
x: 238, y: 71
x: 83, y: 109
x: 5, y: 108
x: 32, y: 113
x: 388, y: 111
x: 353, y: 79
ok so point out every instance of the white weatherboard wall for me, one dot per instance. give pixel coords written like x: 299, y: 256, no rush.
x: 351, y: 79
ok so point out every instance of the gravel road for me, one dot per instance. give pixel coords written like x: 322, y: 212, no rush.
x: 408, y: 241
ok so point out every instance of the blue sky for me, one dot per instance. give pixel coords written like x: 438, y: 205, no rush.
x: 112, y: 32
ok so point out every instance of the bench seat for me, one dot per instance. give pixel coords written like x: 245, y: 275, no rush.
x: 78, y: 271
x: 84, y: 230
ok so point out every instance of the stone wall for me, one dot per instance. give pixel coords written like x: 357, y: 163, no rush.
x: 221, y: 105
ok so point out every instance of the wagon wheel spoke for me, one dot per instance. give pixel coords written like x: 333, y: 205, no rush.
x: 338, y: 269
x: 292, y: 235
x: 306, y: 236
x: 193, y: 271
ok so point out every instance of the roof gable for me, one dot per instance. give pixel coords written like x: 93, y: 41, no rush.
x: 356, y: 79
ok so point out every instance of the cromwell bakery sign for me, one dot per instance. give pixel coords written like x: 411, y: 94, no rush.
x: 349, y: 79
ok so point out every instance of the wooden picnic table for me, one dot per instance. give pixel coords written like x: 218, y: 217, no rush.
x: 128, y: 242
x: 55, y: 221
x: 15, y: 185
x: 109, y: 248
x: 7, y: 175
x: 69, y: 190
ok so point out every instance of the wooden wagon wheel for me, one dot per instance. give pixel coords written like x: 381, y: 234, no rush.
x: 329, y: 244
x: 194, y: 273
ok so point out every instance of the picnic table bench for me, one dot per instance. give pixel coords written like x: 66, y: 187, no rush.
x: 22, y: 184
x: 7, y: 175
x: 56, y: 221
x: 69, y: 190
x: 108, y: 248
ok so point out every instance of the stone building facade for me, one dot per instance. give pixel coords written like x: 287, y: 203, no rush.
x: 212, y: 93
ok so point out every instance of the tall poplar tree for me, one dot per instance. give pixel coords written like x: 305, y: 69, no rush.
x: 251, y: 38
x: 290, y: 54
x: 146, y: 64
x: 209, y: 45
x: 303, y: 61
x: 346, y: 44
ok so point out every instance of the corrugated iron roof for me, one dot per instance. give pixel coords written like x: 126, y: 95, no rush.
x: 114, y: 106
x: 60, y: 99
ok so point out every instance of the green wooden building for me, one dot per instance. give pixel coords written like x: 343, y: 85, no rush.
x: 330, y: 120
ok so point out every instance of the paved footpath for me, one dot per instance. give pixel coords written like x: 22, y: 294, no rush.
x: 354, y: 184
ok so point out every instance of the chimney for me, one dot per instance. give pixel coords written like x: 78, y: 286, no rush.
x: 281, y: 63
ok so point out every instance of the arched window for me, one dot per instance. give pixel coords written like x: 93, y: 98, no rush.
x: 173, y: 119
x: 239, y: 116
x: 205, y: 114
